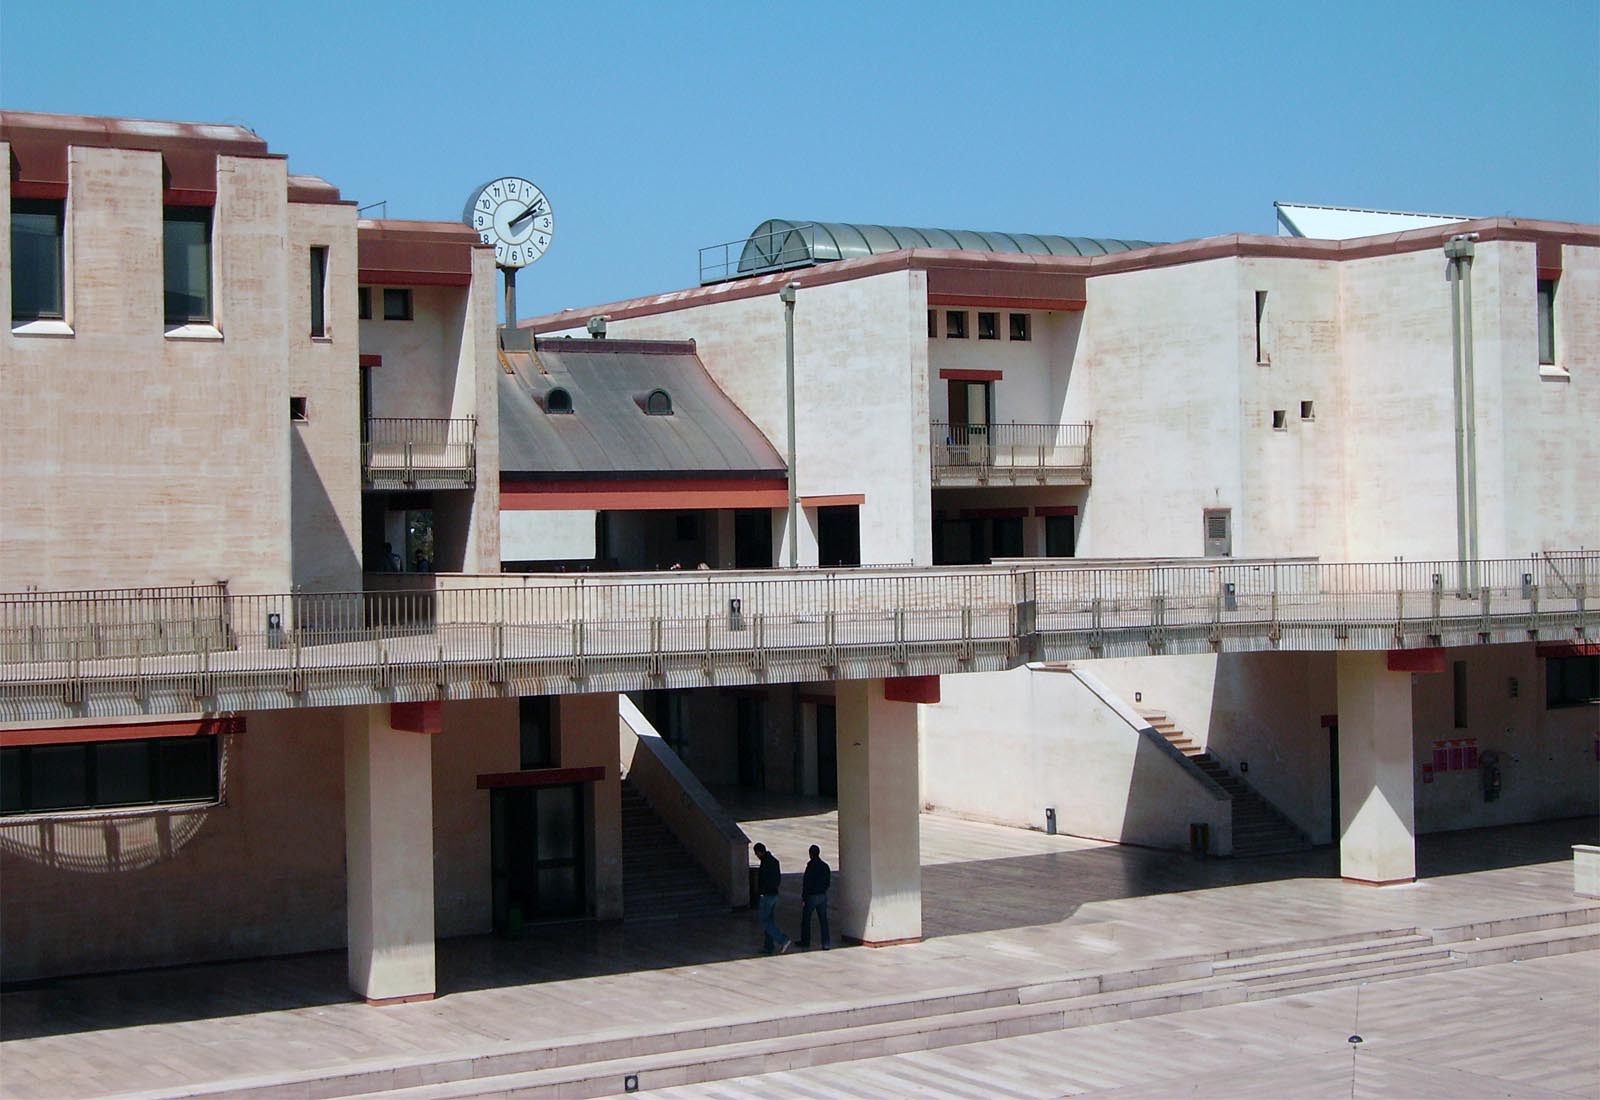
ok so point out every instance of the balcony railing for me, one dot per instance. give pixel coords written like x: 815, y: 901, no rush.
x: 1010, y: 454
x: 483, y: 636
x: 416, y: 452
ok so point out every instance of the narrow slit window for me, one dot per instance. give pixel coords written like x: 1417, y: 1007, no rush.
x: 186, y: 259
x: 1308, y: 410
x: 988, y: 326
x: 364, y: 303
x: 933, y: 323
x: 1458, y: 684
x: 1547, y: 322
x: 297, y: 410
x: 1261, y: 317
x: 319, y: 290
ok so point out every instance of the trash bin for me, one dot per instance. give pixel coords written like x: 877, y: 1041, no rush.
x: 1050, y: 821
x: 275, y: 639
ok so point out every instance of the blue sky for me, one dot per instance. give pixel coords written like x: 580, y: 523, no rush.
x: 658, y: 128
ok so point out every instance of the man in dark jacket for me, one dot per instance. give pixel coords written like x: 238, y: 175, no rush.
x: 814, y: 896
x: 767, y: 882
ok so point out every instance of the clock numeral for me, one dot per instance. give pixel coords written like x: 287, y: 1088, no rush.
x: 516, y: 255
x: 544, y: 223
x: 487, y: 237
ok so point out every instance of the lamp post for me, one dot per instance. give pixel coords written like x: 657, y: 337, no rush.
x: 786, y: 296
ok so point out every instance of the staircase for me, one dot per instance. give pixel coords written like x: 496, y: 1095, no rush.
x: 660, y: 880
x: 1259, y: 829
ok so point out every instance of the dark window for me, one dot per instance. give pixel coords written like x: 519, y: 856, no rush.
x: 1261, y: 316
x: 1280, y: 420
x: 364, y: 303
x: 187, y: 258
x: 36, y: 269
x: 1007, y: 537
x: 933, y: 323
x: 396, y: 304
x: 1060, y: 536
x: 659, y: 403
x: 955, y: 324
x: 319, y: 290
x: 536, y: 717
x: 1458, y: 692
x: 558, y: 401
x: 686, y: 527
x: 1547, y: 321
x: 297, y: 410
x: 1571, y: 681
x: 104, y: 774
x: 988, y: 326
x: 1308, y: 411
x: 1021, y: 326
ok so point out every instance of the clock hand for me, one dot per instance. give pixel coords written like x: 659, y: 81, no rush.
x: 532, y: 209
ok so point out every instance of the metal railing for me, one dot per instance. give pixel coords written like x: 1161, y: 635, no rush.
x: 1011, y: 453
x: 419, y: 452
x: 758, y: 254
x: 496, y: 634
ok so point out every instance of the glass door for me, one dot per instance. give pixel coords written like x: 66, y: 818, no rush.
x: 536, y: 858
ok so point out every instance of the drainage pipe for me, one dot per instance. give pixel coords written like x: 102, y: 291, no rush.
x: 1458, y: 251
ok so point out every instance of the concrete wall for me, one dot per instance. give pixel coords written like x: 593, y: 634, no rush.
x: 588, y: 733
x: 260, y: 874
x: 1002, y: 746
x: 133, y: 457
x: 480, y: 737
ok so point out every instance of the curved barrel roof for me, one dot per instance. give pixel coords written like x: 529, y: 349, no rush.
x: 779, y: 243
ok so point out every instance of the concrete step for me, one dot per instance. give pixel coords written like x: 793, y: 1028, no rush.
x: 1381, y: 972
x: 1536, y: 944
x: 1356, y: 959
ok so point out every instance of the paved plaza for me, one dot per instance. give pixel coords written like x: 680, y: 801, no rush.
x: 1001, y: 906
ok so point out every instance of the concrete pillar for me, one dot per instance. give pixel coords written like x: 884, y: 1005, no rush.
x: 880, y: 850
x: 1377, y: 822
x: 587, y: 727
x: 388, y: 811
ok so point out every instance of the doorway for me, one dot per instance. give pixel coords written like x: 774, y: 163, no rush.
x: 752, y: 743
x: 536, y: 857
x: 827, y: 750
x: 1333, y: 779
x: 752, y: 538
x: 838, y: 535
x: 969, y: 421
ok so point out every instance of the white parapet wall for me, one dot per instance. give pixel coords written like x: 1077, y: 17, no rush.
x: 1004, y: 746
x: 1586, y: 870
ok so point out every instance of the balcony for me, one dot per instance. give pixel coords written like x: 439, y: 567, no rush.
x: 1010, y: 454
x: 415, y: 452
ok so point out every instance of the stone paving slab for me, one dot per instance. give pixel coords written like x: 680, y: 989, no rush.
x: 1002, y: 905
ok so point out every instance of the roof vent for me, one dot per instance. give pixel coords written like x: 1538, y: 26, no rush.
x: 597, y: 327
x: 655, y: 403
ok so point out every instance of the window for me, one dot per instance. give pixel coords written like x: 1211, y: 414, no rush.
x: 1021, y: 326
x: 105, y: 774
x: 1458, y: 693
x: 186, y: 253
x: 297, y: 410
x: 36, y: 264
x: 364, y: 303
x: 933, y: 323
x: 1280, y: 420
x: 1571, y: 681
x: 1261, y: 317
x: 988, y: 326
x: 319, y: 290
x: 558, y: 400
x: 536, y: 716
x: 659, y: 403
x: 396, y: 304
x: 1547, y: 322
x: 955, y: 324
x: 1307, y: 411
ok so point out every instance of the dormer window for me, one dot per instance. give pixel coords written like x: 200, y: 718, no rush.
x: 558, y: 401
x: 659, y: 403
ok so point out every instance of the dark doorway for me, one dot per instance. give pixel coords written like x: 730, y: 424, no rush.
x: 1333, y: 780
x: 1060, y: 536
x: 827, y: 750
x: 839, y: 535
x: 752, y: 743
x: 752, y: 538
x: 536, y: 857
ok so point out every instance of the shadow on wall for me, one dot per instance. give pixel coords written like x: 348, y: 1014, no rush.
x: 323, y: 560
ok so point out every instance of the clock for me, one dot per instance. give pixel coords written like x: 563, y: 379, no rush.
x: 515, y: 217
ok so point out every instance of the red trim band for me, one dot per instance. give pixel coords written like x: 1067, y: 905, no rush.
x: 75, y: 735
x: 379, y: 276
x: 951, y: 374
x: 1055, y: 510
x: 371, y: 360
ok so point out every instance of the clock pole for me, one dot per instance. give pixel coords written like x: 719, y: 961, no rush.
x: 511, y: 295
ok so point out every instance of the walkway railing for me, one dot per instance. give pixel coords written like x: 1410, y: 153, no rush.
x: 418, y: 452
x: 1053, y: 454
x: 497, y: 634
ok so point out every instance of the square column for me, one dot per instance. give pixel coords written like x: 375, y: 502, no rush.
x: 388, y: 814
x: 880, y: 847
x: 1377, y: 820
x: 587, y: 726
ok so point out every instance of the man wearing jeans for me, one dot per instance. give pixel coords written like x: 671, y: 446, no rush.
x: 814, y: 896
x: 767, y: 881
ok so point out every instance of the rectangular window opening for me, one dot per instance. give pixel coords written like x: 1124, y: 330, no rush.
x: 1021, y: 326
x: 1261, y: 316
x: 108, y: 774
x: 1307, y: 411
x: 988, y: 326
x: 933, y: 323
x: 536, y: 715
x: 364, y: 303
x: 37, y: 282
x: 1458, y: 692
x: 1547, y: 322
x: 297, y: 410
x: 1571, y: 681
x: 397, y: 304
x: 1280, y: 420
x: 319, y: 290
x: 955, y: 324
x: 186, y: 258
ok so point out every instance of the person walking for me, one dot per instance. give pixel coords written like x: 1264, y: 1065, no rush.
x: 768, y: 878
x: 814, y: 897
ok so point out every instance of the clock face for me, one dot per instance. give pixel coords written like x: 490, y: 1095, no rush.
x: 514, y: 216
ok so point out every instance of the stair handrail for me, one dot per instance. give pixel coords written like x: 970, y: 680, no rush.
x: 689, y: 811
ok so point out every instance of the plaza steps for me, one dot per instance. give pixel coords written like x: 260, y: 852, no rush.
x: 600, y: 1064
x: 1259, y: 827
x: 660, y: 880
